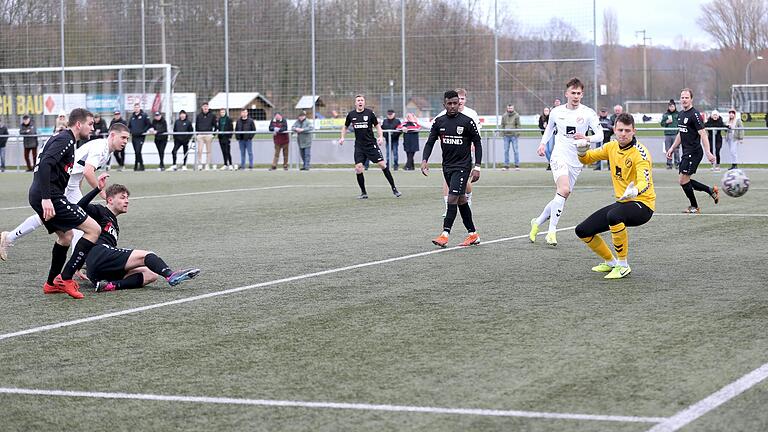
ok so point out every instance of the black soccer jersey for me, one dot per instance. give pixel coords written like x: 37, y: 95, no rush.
x: 54, y: 165
x: 689, y: 124
x: 110, y: 231
x: 363, y: 124
x: 457, y: 134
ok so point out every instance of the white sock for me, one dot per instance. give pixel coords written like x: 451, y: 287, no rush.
x: 612, y: 262
x: 445, y: 198
x: 469, y: 198
x: 556, y: 207
x: 622, y: 263
x: 544, y: 214
x: 76, y: 236
x: 30, y: 224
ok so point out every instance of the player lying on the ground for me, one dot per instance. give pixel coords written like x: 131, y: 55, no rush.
x: 457, y: 133
x: 630, y: 168
x: 89, y: 158
x: 117, y: 268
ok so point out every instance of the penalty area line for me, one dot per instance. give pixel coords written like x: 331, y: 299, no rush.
x: 329, y: 405
x: 248, y: 287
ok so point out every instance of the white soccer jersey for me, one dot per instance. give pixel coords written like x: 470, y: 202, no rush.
x: 95, y: 153
x: 469, y: 112
x: 568, y: 123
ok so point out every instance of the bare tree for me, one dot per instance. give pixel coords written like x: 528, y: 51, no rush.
x: 739, y: 24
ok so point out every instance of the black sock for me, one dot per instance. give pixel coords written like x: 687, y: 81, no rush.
x: 466, y: 217
x: 135, y: 280
x: 688, y: 189
x: 700, y: 187
x: 77, y: 259
x: 450, y: 216
x: 361, y: 183
x: 58, y: 258
x: 388, y: 175
x: 157, y: 265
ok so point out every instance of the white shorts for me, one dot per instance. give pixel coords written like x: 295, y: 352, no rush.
x: 560, y: 169
x: 73, y: 193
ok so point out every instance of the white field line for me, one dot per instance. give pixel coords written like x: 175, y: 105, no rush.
x: 730, y: 391
x: 246, y: 288
x: 188, y: 194
x: 332, y: 405
x: 713, y: 214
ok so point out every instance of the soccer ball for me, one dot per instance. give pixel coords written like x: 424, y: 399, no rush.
x: 735, y: 183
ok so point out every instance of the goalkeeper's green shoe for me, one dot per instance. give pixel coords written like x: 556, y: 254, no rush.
x: 618, y: 272
x: 534, y: 231
x: 602, y: 268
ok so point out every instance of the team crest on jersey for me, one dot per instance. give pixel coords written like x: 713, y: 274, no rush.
x: 628, y: 163
x: 459, y: 129
x: 685, y: 120
x: 580, y: 120
x: 365, y: 118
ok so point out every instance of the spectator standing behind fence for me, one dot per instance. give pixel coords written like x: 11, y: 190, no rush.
x: 3, y: 142
x: 61, y: 122
x: 410, y: 130
x: 715, y: 121
x: 119, y: 155
x: 225, y: 137
x: 543, y: 120
x: 734, y: 136
x: 138, y: 124
x: 391, y: 139
x: 511, y: 120
x: 607, y: 126
x: 160, y: 129
x: 29, y: 131
x: 303, y: 129
x: 669, y: 123
x: 182, y: 126
x: 205, y: 125
x: 278, y: 126
x: 99, y: 127
x: 245, y: 129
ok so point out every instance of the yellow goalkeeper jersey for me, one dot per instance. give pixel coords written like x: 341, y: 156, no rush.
x: 631, y: 164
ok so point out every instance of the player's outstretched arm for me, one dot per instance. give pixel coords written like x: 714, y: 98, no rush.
x: 587, y: 156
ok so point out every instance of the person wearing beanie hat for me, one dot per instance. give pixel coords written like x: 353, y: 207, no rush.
x: 182, y: 126
x: 669, y: 123
x: 716, y: 144
x: 302, y: 127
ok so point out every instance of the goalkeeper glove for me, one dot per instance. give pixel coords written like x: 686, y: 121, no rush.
x: 582, y: 146
x: 630, y: 192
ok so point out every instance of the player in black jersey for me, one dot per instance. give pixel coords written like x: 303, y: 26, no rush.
x: 363, y: 121
x: 46, y: 196
x: 457, y: 133
x: 117, y: 268
x: 693, y: 137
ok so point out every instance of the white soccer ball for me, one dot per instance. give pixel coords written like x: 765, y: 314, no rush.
x: 735, y: 183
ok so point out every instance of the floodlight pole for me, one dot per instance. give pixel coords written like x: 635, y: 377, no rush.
x: 402, y: 48
x: 226, y: 54
x: 594, y: 52
x: 746, y: 73
x: 645, y: 62
x: 143, y: 56
x: 162, y: 31
x: 314, y: 72
x: 61, y: 30
x: 496, y: 56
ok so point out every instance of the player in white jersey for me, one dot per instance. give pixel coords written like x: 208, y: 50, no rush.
x: 572, y: 122
x: 467, y: 111
x: 90, y: 157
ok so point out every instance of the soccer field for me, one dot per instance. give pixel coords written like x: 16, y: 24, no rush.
x: 317, y: 311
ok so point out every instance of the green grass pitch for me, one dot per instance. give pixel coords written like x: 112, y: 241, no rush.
x: 522, y: 328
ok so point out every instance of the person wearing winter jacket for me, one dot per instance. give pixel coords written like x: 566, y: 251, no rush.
x: 225, y: 137
x: 182, y: 126
x: 160, y: 128
x: 29, y: 131
x: 138, y: 124
x: 245, y: 129
x: 279, y: 127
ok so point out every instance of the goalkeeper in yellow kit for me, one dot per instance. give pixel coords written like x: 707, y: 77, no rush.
x: 630, y: 168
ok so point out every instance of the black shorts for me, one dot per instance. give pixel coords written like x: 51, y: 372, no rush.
x: 689, y: 163
x: 370, y: 152
x: 68, y: 215
x: 456, y: 179
x: 632, y: 213
x: 107, y: 263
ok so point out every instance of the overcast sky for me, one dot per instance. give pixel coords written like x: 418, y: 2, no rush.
x: 665, y: 21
